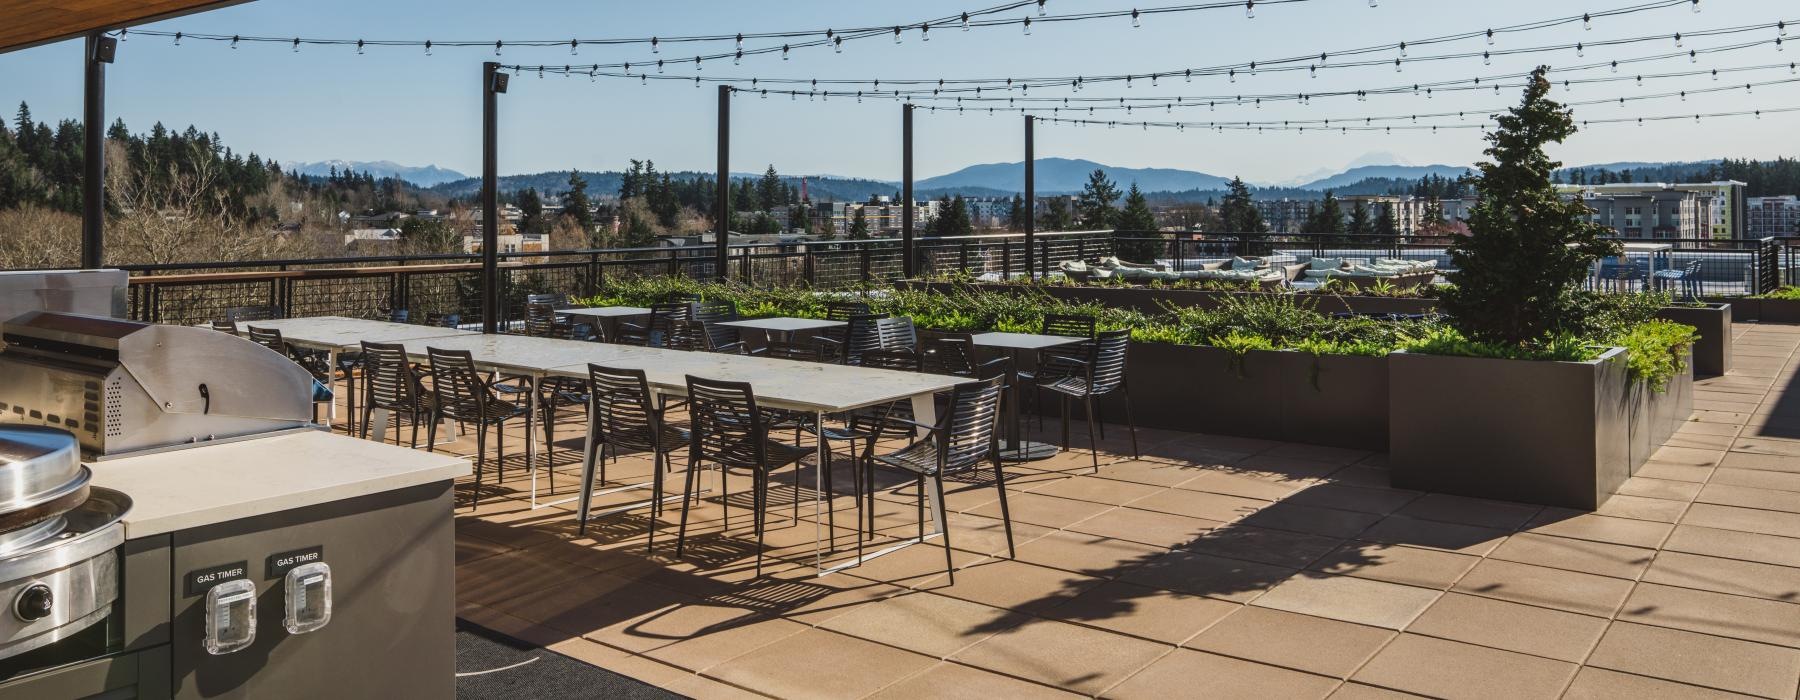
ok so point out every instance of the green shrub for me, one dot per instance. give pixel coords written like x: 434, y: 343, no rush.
x: 1657, y: 351
x: 1787, y: 293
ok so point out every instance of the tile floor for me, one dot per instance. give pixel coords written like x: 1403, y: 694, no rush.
x: 1208, y: 567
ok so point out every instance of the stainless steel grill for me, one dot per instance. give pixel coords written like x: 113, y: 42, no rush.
x: 127, y: 387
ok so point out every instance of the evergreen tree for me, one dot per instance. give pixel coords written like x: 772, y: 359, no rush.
x: 1359, y: 225
x: 531, y: 207
x: 859, y: 226
x: 1015, y: 217
x: 1328, y: 218
x: 575, y: 202
x: 770, y: 192
x: 1384, y: 222
x: 1095, y: 205
x: 1140, y: 223
x: 1056, y: 215
x: 1238, y: 211
x: 1529, y: 249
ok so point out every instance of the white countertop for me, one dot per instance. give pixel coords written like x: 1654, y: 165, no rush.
x: 200, y: 486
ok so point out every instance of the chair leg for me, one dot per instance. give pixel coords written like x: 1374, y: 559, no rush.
x: 830, y: 492
x: 760, y: 501
x: 431, y: 432
x: 919, y: 484
x: 480, y: 463
x: 656, y: 492
x: 549, y: 420
x: 412, y: 442
x: 1130, y: 422
x: 499, y: 449
x: 937, y: 492
x: 686, y: 491
x: 1065, y: 422
x: 1095, y: 416
x: 1093, y: 444
x: 1005, y: 515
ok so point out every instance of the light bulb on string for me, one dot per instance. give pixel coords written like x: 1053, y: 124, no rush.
x: 1490, y: 37
x: 359, y: 47
x: 574, y: 46
x: 1615, y: 66
x: 1152, y: 80
x: 1232, y: 74
x: 177, y: 38
x: 655, y: 45
x: 1027, y: 24
x: 1252, y: 68
x: 234, y: 43
x: 696, y: 63
x: 497, y: 46
x: 924, y: 32
x: 1715, y: 75
x: 659, y: 65
x: 428, y: 47
x: 1486, y: 59
x: 738, y: 59
x: 965, y: 21
x: 896, y: 35
x: 591, y: 74
x: 765, y: 94
x: 1587, y: 22
x: 1135, y: 22
x: 1696, y: 5
x: 784, y: 52
x: 837, y: 44
x: 540, y: 72
x: 1683, y: 95
x: 1313, y: 70
x: 1678, y: 40
x: 643, y: 79
x: 1403, y: 49
x: 124, y: 34
x: 1187, y: 76
x: 1396, y: 65
x: 1250, y: 9
x: 1580, y: 50
x: 1693, y: 56
x: 296, y: 45
x: 1040, y: 4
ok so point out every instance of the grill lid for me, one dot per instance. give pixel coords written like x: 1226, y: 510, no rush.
x: 38, y: 466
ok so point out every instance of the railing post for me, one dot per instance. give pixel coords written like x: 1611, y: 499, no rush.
x: 806, y: 267
x: 722, y: 217
x: 864, y: 262
x: 493, y: 82
x: 1005, y: 259
x: 908, y: 261
x: 1030, y: 190
x: 93, y: 191
x: 675, y: 262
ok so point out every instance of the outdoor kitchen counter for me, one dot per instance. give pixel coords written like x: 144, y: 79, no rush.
x: 182, y: 489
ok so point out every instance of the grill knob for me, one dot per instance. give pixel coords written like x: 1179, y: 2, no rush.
x: 33, y: 603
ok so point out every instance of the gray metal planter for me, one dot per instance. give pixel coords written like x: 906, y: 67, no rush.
x: 1712, y: 354
x: 1549, y: 433
x: 1291, y: 396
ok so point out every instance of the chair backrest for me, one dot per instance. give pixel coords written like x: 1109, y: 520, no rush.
x: 896, y: 333
x: 461, y: 391
x: 399, y: 316
x: 791, y: 350
x: 716, y: 310
x: 1069, y: 325
x: 540, y: 320
x: 680, y: 298
x: 620, y: 404
x: 727, y: 427
x: 857, y: 336
x: 449, y: 320
x: 225, y: 327
x: 1106, y: 361
x: 663, y: 316
x: 900, y: 359
x: 392, y: 383
x: 269, y: 338
x: 554, y: 301
x: 969, y: 434
x: 951, y: 354
x: 999, y: 367
x: 843, y: 310
x: 252, y: 313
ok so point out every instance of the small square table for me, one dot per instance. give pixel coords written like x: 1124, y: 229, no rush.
x: 783, y: 328
x: 1017, y: 448
x: 607, y: 316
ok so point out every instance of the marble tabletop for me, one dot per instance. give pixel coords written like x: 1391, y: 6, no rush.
x: 347, y: 334
x: 783, y: 324
x: 1022, y: 341
x: 605, y: 311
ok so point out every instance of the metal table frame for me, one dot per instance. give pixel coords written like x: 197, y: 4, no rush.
x: 1017, y: 448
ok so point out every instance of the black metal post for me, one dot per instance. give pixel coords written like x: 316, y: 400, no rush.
x: 93, y: 168
x: 1030, y: 193
x: 909, y: 260
x: 722, y: 217
x: 490, y: 199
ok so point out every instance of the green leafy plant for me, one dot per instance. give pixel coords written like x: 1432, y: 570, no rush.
x: 1657, y: 351
x: 1786, y: 293
x: 1239, y: 344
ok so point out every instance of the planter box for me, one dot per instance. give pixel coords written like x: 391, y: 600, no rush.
x: 1151, y: 300
x: 1712, y: 353
x: 1780, y: 311
x: 1655, y: 416
x: 1548, y: 433
x: 1289, y: 396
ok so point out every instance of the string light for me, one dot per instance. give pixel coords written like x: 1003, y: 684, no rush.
x: 1250, y: 9
x: 1134, y: 19
x: 1587, y: 23
x: 234, y: 42
x: 574, y: 46
x: 1027, y: 26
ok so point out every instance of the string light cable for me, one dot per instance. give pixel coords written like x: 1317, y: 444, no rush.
x: 1348, y: 127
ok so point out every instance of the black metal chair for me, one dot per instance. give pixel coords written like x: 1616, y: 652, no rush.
x: 854, y: 338
x: 239, y: 314
x: 443, y: 320
x: 843, y: 310
x: 225, y: 327
x: 399, y: 316
x: 463, y: 394
x: 866, y: 426
x: 655, y: 331
x: 1099, y: 373
x: 698, y: 336
x: 540, y: 320
x: 728, y: 430
x: 963, y: 439
x: 952, y: 354
x: 1069, y: 325
x: 896, y: 333
x: 392, y: 383
x: 314, y: 363
x: 622, y: 416
x: 1065, y: 325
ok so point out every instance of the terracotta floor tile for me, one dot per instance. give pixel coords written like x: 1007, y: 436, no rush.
x: 1724, y: 494
x: 1141, y: 611
x: 1071, y: 657
x: 1659, y: 488
x: 1450, y: 537
x: 1616, y: 560
x: 1226, y: 482
x: 1046, y: 511
x: 1599, y: 528
x: 1013, y: 585
x: 1587, y: 594
x: 1144, y: 526
x: 814, y: 663
x: 927, y: 623
x: 1768, y: 549
x: 1764, y: 522
x: 1318, y: 453
x: 1196, y: 504
x: 1327, y: 522
x: 1767, y: 462
x: 1687, y: 456
x: 1095, y: 490
x: 1151, y: 471
x: 1194, y: 674
x: 1699, y: 659
x: 1289, y: 467
x: 1358, y: 691
x: 1300, y: 642
x: 1207, y: 575
x: 1499, y: 515
x: 1595, y: 683
x: 952, y: 681
x: 984, y: 535
x: 1091, y: 555
x: 1641, y: 508
x: 1674, y: 472
x: 1427, y: 568
x: 1268, y: 546
x: 1706, y: 612
x: 1446, y: 669
x: 698, y: 637
x: 1380, y: 501
x: 1784, y: 483
x: 1350, y: 599
x: 1511, y: 626
x: 1726, y: 576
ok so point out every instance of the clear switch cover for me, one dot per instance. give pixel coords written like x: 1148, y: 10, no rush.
x: 230, y: 616
x: 308, y: 593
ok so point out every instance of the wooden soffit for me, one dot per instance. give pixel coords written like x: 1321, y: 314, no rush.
x: 27, y: 23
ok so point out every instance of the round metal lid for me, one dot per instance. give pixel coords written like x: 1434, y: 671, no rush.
x: 38, y: 465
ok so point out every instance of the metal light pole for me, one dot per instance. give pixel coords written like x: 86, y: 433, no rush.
x: 493, y: 82
x: 906, y: 190
x: 93, y: 167
x: 1030, y: 198
x: 722, y: 217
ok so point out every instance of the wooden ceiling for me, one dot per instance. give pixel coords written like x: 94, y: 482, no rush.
x: 26, y: 23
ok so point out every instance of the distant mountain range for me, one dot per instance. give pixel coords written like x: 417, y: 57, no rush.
x: 425, y: 176
x: 1067, y: 175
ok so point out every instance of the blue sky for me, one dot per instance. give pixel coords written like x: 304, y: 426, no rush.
x: 398, y: 104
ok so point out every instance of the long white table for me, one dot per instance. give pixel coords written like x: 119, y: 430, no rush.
x: 337, y: 335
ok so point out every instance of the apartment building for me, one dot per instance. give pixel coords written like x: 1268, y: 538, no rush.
x: 1772, y: 216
